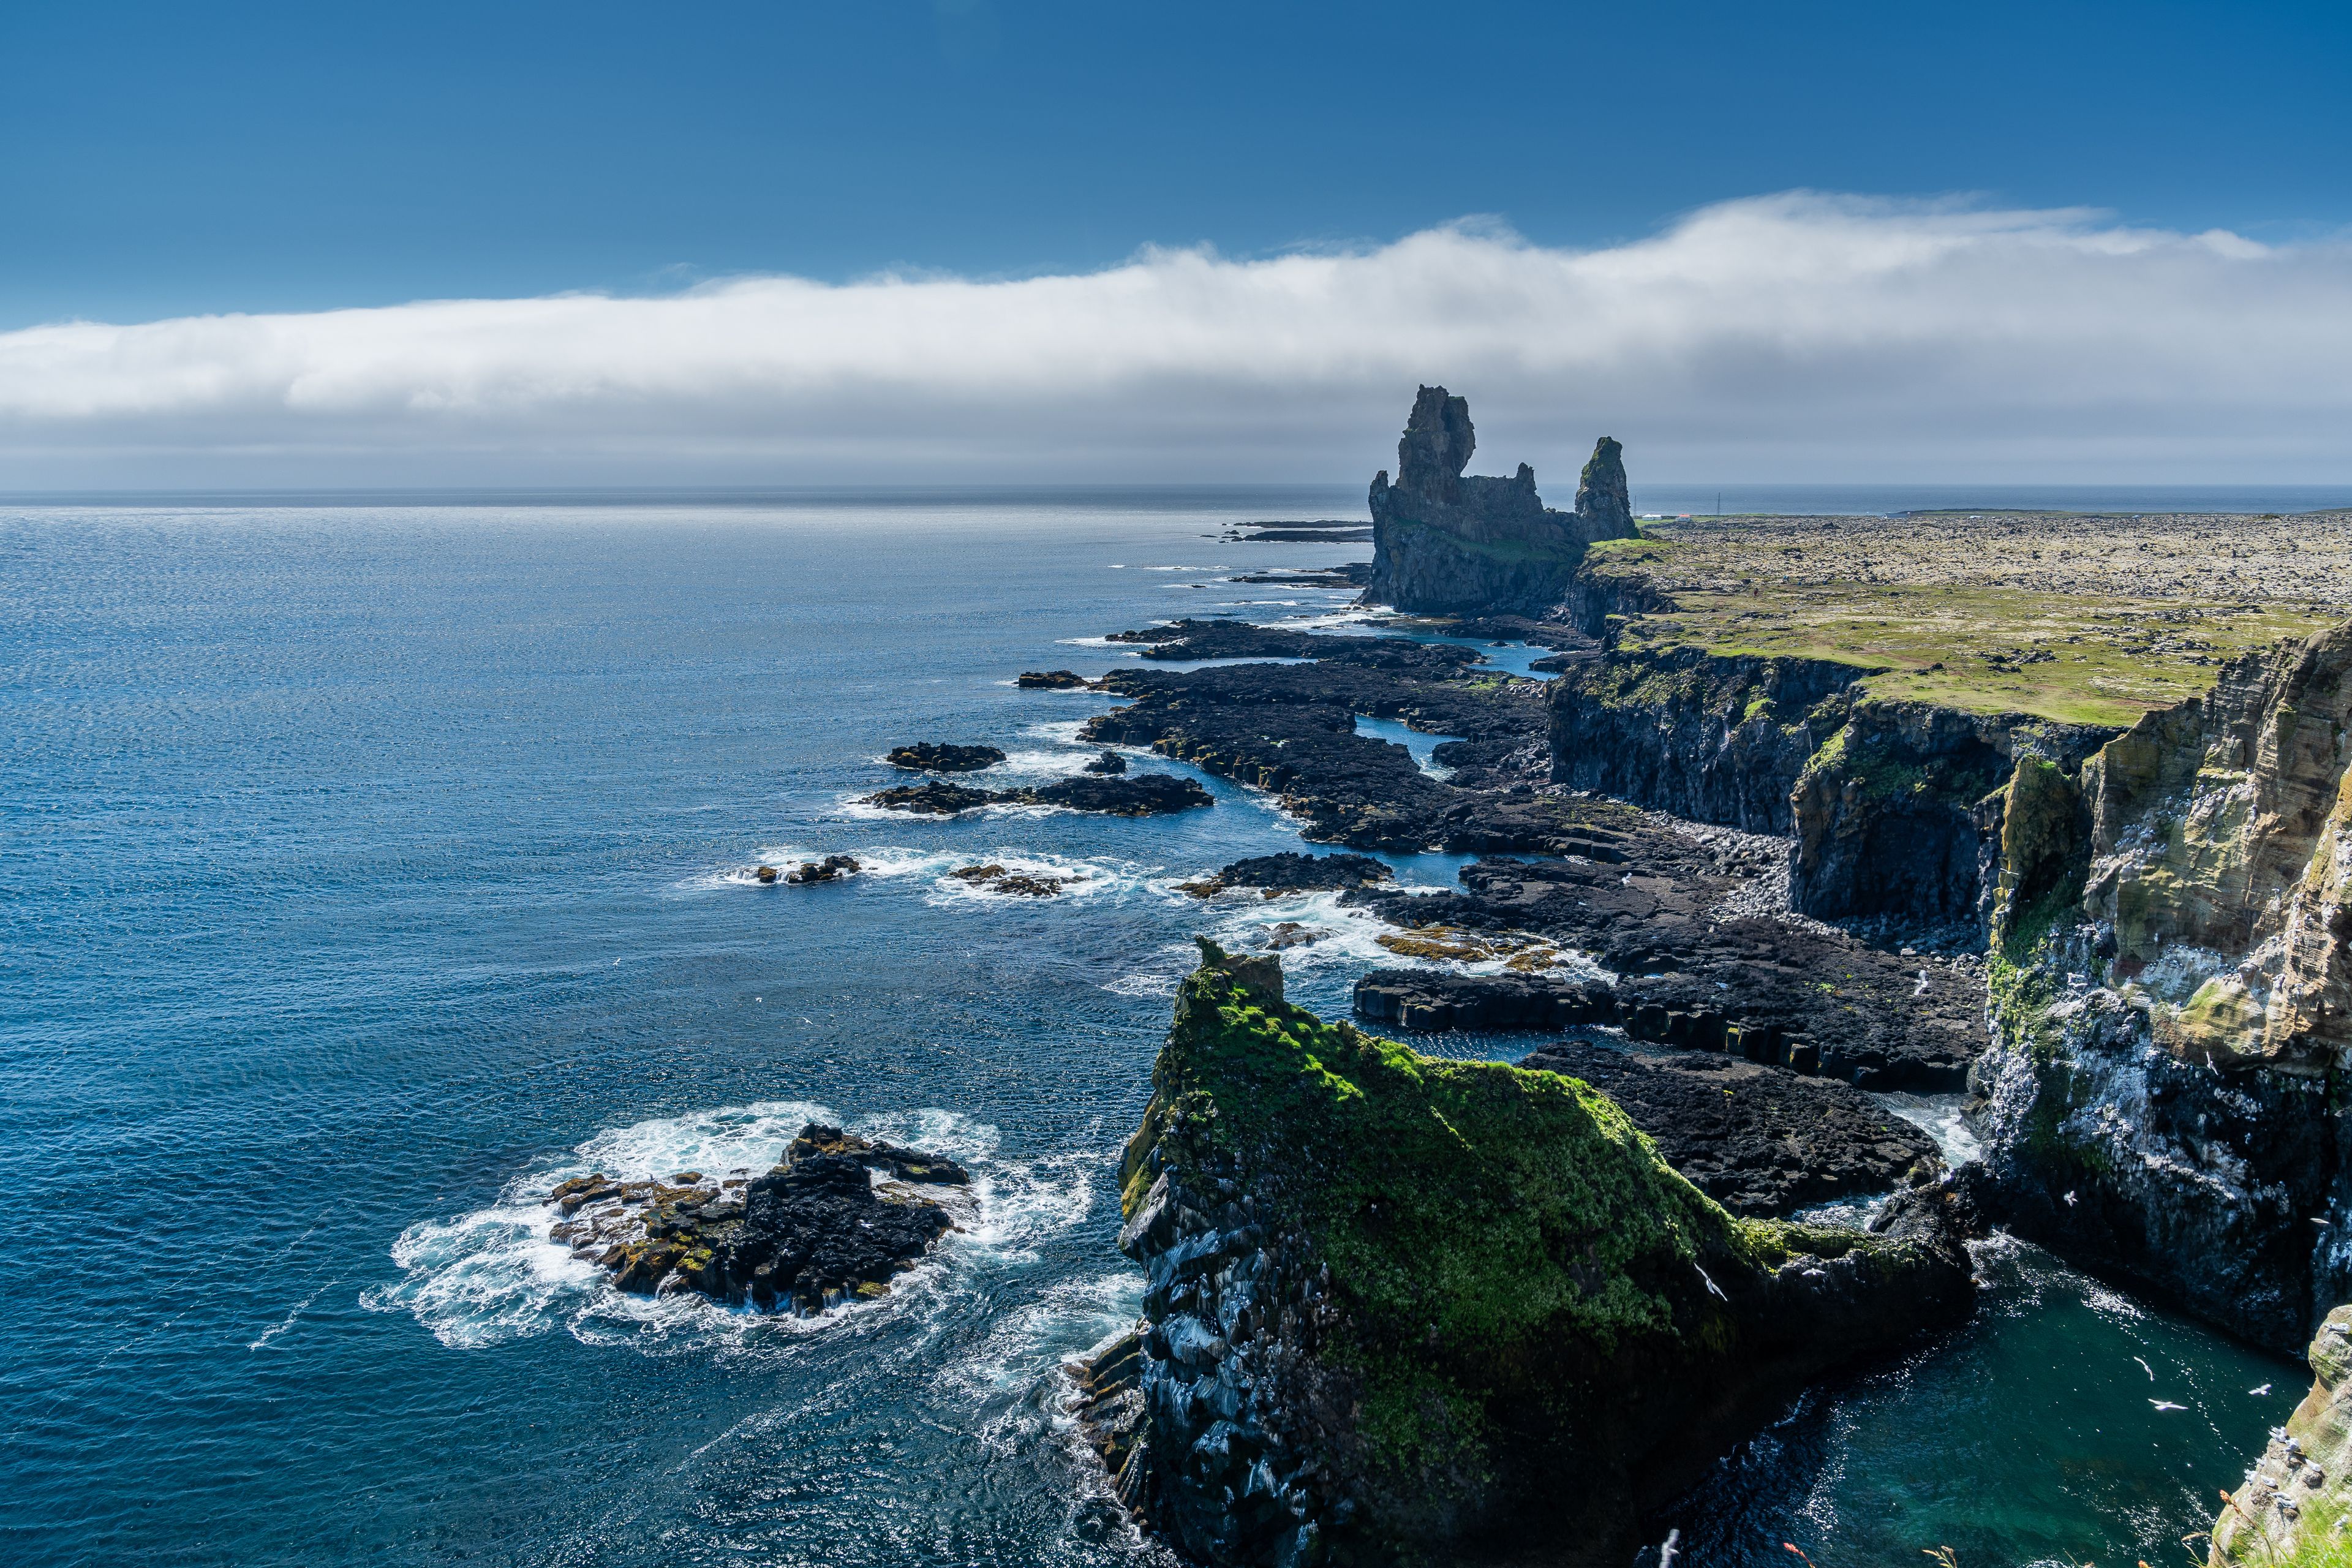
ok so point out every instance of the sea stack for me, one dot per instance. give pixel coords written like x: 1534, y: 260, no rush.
x: 1445, y: 542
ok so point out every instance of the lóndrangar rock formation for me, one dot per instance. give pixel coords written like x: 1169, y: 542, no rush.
x: 1445, y: 542
x: 1403, y: 1309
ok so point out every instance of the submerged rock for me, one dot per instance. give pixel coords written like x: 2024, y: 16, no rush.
x: 812, y: 1232
x: 1444, y: 541
x: 2296, y: 1505
x: 997, y: 880
x: 939, y: 757
x: 1406, y: 1308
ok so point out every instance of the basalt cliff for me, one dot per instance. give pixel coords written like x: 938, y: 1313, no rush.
x: 2171, y: 997
x: 1403, y: 1309
x: 1449, y: 543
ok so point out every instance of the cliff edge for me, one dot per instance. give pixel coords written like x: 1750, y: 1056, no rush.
x: 2295, y: 1507
x: 1445, y: 543
x: 1403, y: 1309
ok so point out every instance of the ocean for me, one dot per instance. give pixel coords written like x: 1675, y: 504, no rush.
x: 370, y: 865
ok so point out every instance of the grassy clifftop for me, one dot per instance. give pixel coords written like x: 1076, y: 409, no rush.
x: 2073, y: 618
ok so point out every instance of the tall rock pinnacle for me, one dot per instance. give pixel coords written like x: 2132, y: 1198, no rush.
x: 1447, y: 542
x: 1602, y: 499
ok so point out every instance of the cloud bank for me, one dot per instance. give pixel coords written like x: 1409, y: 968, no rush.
x: 1791, y: 337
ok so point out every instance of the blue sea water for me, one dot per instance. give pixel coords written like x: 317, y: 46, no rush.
x: 366, y: 867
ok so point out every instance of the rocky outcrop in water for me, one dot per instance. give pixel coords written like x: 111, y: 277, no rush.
x: 2294, y: 1506
x: 1293, y: 873
x: 2169, y: 980
x: 1138, y: 795
x: 1446, y: 542
x: 1400, y: 1308
x: 942, y: 757
x: 812, y: 1232
x: 808, y: 873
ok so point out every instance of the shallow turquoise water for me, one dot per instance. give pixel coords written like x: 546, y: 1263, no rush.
x: 366, y: 867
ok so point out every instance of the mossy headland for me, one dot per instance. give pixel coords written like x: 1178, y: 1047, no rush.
x: 1409, y: 1310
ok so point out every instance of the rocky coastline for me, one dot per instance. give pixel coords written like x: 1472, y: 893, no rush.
x: 1804, y: 820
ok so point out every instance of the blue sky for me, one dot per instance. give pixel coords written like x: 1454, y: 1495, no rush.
x: 1022, y: 240
x: 173, y: 159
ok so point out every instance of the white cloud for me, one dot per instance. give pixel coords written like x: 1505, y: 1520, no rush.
x: 1797, y: 336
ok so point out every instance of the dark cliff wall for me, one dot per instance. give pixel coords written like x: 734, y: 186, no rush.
x: 1447, y: 542
x: 1718, y: 740
x: 1897, y: 813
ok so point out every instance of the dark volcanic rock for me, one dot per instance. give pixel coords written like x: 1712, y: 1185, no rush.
x: 938, y: 757
x: 1757, y: 1140
x: 1051, y: 680
x: 1140, y: 795
x: 811, y: 1232
x: 1135, y: 794
x: 832, y: 868
x: 1447, y: 542
x: 935, y: 798
x: 1602, y: 501
x: 1877, y: 1019
x: 875, y: 1155
x: 1885, y: 798
x: 1111, y: 761
x: 1191, y: 640
x: 1291, y: 729
x: 1287, y: 872
x: 1427, y: 1001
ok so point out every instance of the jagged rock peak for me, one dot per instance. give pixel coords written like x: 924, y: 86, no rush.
x: 1447, y: 542
x: 1601, y: 494
x: 1437, y: 446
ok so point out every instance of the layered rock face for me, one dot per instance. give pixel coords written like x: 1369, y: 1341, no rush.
x: 1401, y: 1308
x: 1447, y: 542
x: 2168, y: 997
x: 1886, y: 801
x: 2296, y: 1505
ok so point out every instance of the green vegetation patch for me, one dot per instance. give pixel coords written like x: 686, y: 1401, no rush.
x: 2071, y: 657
